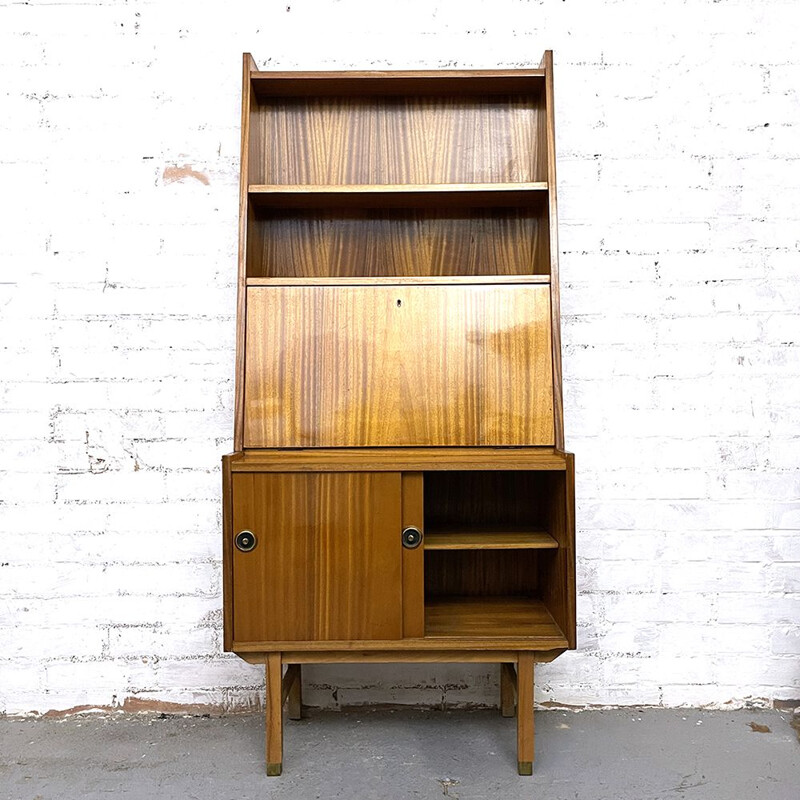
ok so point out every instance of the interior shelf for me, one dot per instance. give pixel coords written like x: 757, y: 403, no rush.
x: 488, y: 539
x: 506, y: 616
x: 393, y: 195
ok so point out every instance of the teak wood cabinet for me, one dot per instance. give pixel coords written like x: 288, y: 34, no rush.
x: 399, y: 489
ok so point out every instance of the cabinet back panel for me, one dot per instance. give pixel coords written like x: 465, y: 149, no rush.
x: 489, y: 500
x: 481, y: 572
x: 430, y: 139
x: 384, y: 366
x: 399, y: 242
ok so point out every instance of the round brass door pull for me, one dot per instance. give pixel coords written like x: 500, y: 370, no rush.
x: 412, y: 537
x: 245, y: 541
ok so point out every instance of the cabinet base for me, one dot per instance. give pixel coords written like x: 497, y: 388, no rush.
x: 516, y: 683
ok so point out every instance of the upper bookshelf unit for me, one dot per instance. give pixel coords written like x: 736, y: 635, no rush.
x: 370, y: 174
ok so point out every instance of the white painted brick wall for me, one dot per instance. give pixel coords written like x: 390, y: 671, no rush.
x: 679, y: 187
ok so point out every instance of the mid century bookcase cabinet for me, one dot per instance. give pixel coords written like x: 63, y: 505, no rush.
x: 399, y: 489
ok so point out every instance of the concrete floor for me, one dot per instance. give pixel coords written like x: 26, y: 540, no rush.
x: 642, y: 755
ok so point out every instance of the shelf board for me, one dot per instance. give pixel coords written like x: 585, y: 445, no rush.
x: 396, y: 195
x: 401, y: 82
x: 488, y: 539
x: 398, y: 459
x: 492, y: 617
x: 411, y: 280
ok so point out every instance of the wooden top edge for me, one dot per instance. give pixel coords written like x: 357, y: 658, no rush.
x: 399, y: 459
x: 403, y: 74
x: 399, y: 645
x: 400, y: 280
x: 388, y: 188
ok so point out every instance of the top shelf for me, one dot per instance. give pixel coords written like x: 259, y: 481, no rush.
x: 396, y: 195
x: 403, y: 82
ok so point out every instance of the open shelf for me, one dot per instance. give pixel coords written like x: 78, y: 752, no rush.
x: 394, y: 195
x: 440, y: 241
x: 488, y: 539
x: 414, y: 139
x: 492, y: 617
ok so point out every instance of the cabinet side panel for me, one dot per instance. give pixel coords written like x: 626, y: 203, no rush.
x: 352, y: 366
x: 227, y: 555
x: 558, y: 408
x: 248, y: 145
x: 557, y: 574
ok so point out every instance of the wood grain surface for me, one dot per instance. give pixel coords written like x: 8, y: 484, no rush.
x: 525, y: 727
x: 413, y: 559
x: 407, y: 459
x: 557, y: 575
x: 328, y: 560
x: 481, y: 573
x: 490, y: 617
x: 402, y: 140
x: 546, y: 142
x: 250, y: 145
x: 488, y: 540
x: 475, y: 500
x: 273, y: 709
x: 400, y: 242
x: 398, y: 366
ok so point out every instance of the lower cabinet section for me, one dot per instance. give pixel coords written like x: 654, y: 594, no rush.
x: 434, y: 558
x: 398, y: 556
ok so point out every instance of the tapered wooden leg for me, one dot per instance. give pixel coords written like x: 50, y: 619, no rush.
x: 295, y: 705
x: 274, y: 710
x: 525, y: 714
x: 508, y: 680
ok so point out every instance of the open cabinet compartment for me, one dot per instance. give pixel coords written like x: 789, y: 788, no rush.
x: 499, y: 553
x: 377, y: 241
x: 427, y: 131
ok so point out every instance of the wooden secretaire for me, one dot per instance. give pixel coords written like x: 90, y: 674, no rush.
x: 399, y: 489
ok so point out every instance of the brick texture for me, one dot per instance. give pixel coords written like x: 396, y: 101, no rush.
x: 678, y: 136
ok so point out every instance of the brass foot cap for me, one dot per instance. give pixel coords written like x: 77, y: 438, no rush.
x: 274, y: 769
x: 525, y: 767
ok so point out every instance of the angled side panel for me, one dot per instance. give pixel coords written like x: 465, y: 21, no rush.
x: 241, y: 299
x: 555, y: 302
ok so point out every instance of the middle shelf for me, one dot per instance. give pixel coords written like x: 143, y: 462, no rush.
x: 494, y: 538
x: 397, y: 232
x: 395, y: 195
